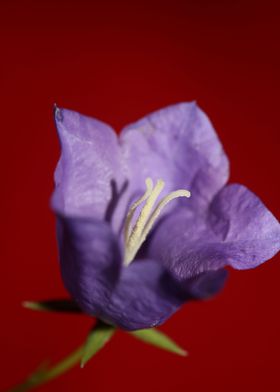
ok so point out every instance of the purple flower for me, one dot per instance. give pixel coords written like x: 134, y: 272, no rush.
x: 133, y: 261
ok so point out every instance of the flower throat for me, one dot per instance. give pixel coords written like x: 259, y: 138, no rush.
x: 136, y: 235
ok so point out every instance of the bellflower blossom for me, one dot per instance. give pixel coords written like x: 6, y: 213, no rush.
x: 145, y: 220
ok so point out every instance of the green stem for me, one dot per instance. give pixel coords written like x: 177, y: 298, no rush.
x: 43, y: 375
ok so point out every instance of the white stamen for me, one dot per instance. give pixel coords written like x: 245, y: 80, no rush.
x: 149, y: 188
x: 132, y: 244
x: 134, y: 238
x: 171, y: 196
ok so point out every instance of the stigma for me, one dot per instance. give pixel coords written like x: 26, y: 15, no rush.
x: 136, y: 235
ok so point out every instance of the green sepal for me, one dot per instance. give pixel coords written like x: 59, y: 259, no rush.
x: 159, y: 339
x: 100, y: 334
x: 53, y: 305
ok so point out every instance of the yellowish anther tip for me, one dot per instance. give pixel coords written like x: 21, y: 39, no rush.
x: 181, y: 193
x: 149, y: 182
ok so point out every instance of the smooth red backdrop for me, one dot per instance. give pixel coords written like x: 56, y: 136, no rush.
x: 118, y: 60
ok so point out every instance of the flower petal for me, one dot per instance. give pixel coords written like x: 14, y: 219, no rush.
x: 145, y: 297
x: 142, y: 295
x: 179, y: 145
x: 238, y: 230
x: 241, y: 220
x: 90, y: 261
x: 207, y: 284
x: 89, y: 172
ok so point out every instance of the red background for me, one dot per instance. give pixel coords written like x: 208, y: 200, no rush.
x: 117, y: 61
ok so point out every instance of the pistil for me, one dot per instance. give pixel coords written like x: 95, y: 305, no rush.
x: 134, y: 237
